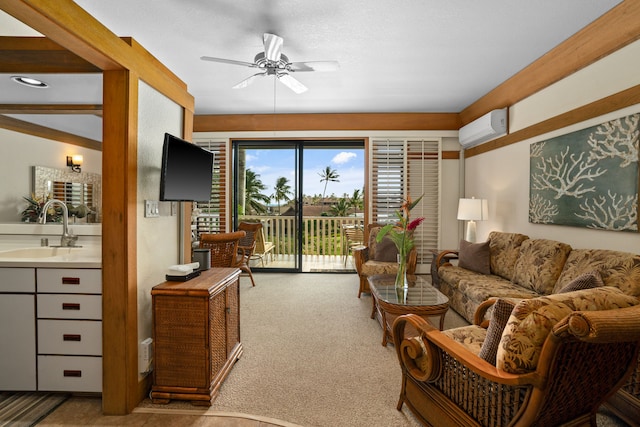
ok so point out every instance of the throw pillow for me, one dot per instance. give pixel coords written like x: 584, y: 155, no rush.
x: 532, y: 320
x: 475, y: 257
x: 386, y: 251
x: 588, y: 280
x: 502, y: 309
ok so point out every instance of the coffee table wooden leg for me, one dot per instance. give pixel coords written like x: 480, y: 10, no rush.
x: 384, y: 329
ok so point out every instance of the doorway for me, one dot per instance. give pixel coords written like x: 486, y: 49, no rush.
x: 303, y: 192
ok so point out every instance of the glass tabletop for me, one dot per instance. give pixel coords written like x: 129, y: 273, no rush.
x: 419, y: 293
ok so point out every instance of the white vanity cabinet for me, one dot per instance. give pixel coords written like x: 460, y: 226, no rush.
x: 69, y: 324
x: 17, y: 329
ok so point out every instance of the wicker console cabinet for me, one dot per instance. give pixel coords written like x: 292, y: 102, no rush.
x: 196, y: 336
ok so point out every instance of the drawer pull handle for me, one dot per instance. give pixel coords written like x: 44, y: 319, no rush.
x: 70, y: 373
x: 72, y: 337
x: 70, y: 306
x: 70, y: 280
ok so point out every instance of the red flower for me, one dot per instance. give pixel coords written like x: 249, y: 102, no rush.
x: 414, y: 224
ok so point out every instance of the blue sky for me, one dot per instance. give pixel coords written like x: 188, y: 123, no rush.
x: 272, y: 164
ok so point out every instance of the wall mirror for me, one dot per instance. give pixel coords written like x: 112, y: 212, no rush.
x: 82, y: 192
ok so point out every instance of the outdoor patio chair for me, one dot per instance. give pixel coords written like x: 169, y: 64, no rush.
x: 247, y: 246
x: 263, y: 248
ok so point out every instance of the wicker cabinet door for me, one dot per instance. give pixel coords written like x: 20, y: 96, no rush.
x: 233, y: 316
x: 217, y: 332
x: 180, y: 350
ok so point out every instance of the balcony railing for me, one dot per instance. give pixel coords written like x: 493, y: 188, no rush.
x: 321, y: 235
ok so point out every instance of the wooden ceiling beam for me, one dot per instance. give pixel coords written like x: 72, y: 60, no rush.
x: 39, y: 55
x: 325, y: 122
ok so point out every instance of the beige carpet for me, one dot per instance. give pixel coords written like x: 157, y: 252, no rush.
x: 312, y: 357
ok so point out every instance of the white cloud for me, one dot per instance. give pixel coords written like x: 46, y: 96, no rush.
x: 343, y: 157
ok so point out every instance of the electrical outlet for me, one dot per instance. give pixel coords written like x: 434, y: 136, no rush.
x: 151, y: 209
x: 145, y: 356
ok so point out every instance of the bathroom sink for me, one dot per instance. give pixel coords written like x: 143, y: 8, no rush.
x: 38, y: 252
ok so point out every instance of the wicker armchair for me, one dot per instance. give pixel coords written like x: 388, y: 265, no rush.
x: 587, y: 356
x: 223, y: 246
x: 378, y: 258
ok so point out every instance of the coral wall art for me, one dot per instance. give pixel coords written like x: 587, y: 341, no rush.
x: 588, y: 178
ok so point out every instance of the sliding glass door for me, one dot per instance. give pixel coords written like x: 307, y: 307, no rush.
x: 304, y: 193
x: 267, y: 189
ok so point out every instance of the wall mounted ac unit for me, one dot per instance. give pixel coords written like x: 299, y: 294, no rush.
x: 489, y: 126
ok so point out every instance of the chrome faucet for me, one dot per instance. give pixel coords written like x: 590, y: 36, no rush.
x: 67, y: 239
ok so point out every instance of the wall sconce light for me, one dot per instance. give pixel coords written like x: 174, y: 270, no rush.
x: 74, y: 162
x: 472, y: 210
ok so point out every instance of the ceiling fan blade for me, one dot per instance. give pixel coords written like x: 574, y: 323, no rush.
x: 246, y: 82
x: 314, y: 66
x: 228, y: 61
x: 272, y: 46
x: 292, y: 83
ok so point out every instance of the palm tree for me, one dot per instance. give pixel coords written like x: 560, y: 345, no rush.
x: 327, y: 175
x: 254, y: 199
x: 341, y: 208
x: 282, y: 191
x: 357, y: 200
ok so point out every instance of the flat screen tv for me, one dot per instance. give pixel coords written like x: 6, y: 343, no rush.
x: 186, y: 171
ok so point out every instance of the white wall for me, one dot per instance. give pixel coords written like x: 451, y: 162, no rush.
x: 502, y: 175
x: 19, y: 153
x: 158, y: 239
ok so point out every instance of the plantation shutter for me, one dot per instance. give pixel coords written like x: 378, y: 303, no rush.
x: 211, y: 216
x: 401, y: 167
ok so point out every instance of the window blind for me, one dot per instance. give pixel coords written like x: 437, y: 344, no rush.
x: 211, y: 216
x: 401, y: 167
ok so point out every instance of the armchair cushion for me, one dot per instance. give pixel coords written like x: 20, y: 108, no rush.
x: 475, y: 257
x: 471, y: 337
x: 533, y: 319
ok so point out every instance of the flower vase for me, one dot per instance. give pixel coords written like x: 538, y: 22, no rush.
x: 401, y: 275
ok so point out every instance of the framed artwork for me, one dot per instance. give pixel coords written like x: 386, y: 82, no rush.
x: 587, y: 178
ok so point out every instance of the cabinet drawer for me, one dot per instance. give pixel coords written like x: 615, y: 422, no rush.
x: 77, y: 337
x: 70, y: 373
x: 17, y: 280
x: 69, y: 306
x: 70, y: 280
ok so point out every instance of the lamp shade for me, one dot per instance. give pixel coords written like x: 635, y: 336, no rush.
x: 473, y: 209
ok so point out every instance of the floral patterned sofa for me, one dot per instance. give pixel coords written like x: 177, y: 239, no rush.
x: 513, y: 267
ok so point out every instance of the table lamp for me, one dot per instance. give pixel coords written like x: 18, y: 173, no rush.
x: 472, y: 210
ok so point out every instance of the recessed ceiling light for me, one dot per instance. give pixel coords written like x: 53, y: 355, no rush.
x: 28, y: 81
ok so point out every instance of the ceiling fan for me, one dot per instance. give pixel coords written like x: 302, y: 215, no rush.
x: 272, y: 62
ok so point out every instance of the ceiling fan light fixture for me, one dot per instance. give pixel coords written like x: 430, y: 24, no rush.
x: 30, y: 82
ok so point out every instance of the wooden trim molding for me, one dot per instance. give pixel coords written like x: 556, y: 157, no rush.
x: 325, y: 122
x: 39, y: 55
x: 51, y: 109
x: 450, y: 155
x: 614, y: 30
x: 614, y: 102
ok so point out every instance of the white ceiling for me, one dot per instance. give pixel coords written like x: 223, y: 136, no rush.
x: 408, y: 56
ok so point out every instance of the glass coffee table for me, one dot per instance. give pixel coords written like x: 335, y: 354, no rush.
x: 419, y: 298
